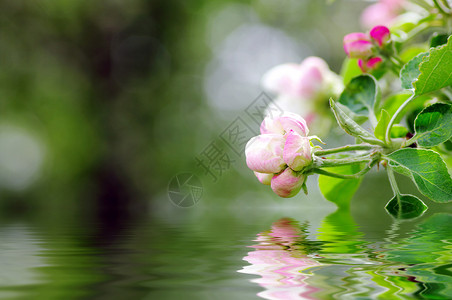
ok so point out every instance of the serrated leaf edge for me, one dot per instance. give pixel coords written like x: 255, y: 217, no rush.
x: 427, y: 58
x: 410, y: 172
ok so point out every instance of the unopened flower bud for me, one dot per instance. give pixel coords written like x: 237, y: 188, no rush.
x: 288, y: 183
x: 280, y: 155
x: 380, y: 34
x: 370, y: 64
x: 283, y: 124
x: 264, y: 178
x: 264, y: 153
x: 358, y: 45
x: 297, y: 151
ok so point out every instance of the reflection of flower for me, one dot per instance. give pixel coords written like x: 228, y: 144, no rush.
x: 303, y: 88
x: 279, y: 264
x: 279, y: 154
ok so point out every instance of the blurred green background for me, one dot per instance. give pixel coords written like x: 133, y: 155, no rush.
x: 103, y: 102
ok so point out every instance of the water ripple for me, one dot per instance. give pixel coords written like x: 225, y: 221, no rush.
x: 341, y: 264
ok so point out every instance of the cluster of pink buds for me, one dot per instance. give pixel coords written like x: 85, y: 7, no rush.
x: 365, y: 46
x: 280, y: 154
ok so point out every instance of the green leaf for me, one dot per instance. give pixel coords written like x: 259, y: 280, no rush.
x: 359, y: 119
x: 410, y: 207
x: 340, y: 191
x: 409, y: 53
x: 427, y: 169
x: 398, y: 131
x: 434, y: 125
x: 360, y: 95
x: 383, y: 121
x: 350, y: 69
x: 436, y: 70
x: 410, y: 71
x: 392, y: 103
x: 350, y: 126
x: 438, y: 40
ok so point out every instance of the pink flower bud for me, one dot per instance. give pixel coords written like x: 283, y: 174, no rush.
x: 283, y: 124
x: 270, y: 124
x: 357, y: 45
x: 297, y: 151
x: 380, y: 34
x: 288, y: 183
x: 264, y: 153
x: 370, y: 64
x: 264, y: 178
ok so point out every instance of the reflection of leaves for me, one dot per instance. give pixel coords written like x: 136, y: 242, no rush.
x: 428, y: 249
x: 427, y: 244
x: 340, y: 234
x: 411, y: 207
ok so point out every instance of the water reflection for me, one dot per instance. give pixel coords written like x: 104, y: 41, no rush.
x: 344, y: 263
x: 19, y: 258
x: 280, y: 259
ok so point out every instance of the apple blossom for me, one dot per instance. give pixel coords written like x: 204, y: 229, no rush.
x: 280, y: 154
x: 305, y: 80
x: 361, y: 45
x: 264, y: 153
x: 358, y: 45
x: 380, y: 34
x: 303, y: 89
x: 384, y: 12
x: 264, y: 178
x: 280, y: 262
x: 297, y: 151
x: 282, y: 124
x: 288, y: 183
x: 370, y: 64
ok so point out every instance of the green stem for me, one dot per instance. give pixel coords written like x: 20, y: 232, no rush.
x: 419, y: 29
x: 422, y: 4
x: 446, y: 3
x: 344, y: 149
x: 394, y: 117
x: 410, y: 141
x: 324, y: 163
x: 448, y: 93
x: 343, y: 176
x: 442, y: 8
x: 394, y: 186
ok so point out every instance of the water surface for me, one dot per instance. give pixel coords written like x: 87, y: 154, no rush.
x: 228, y: 254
